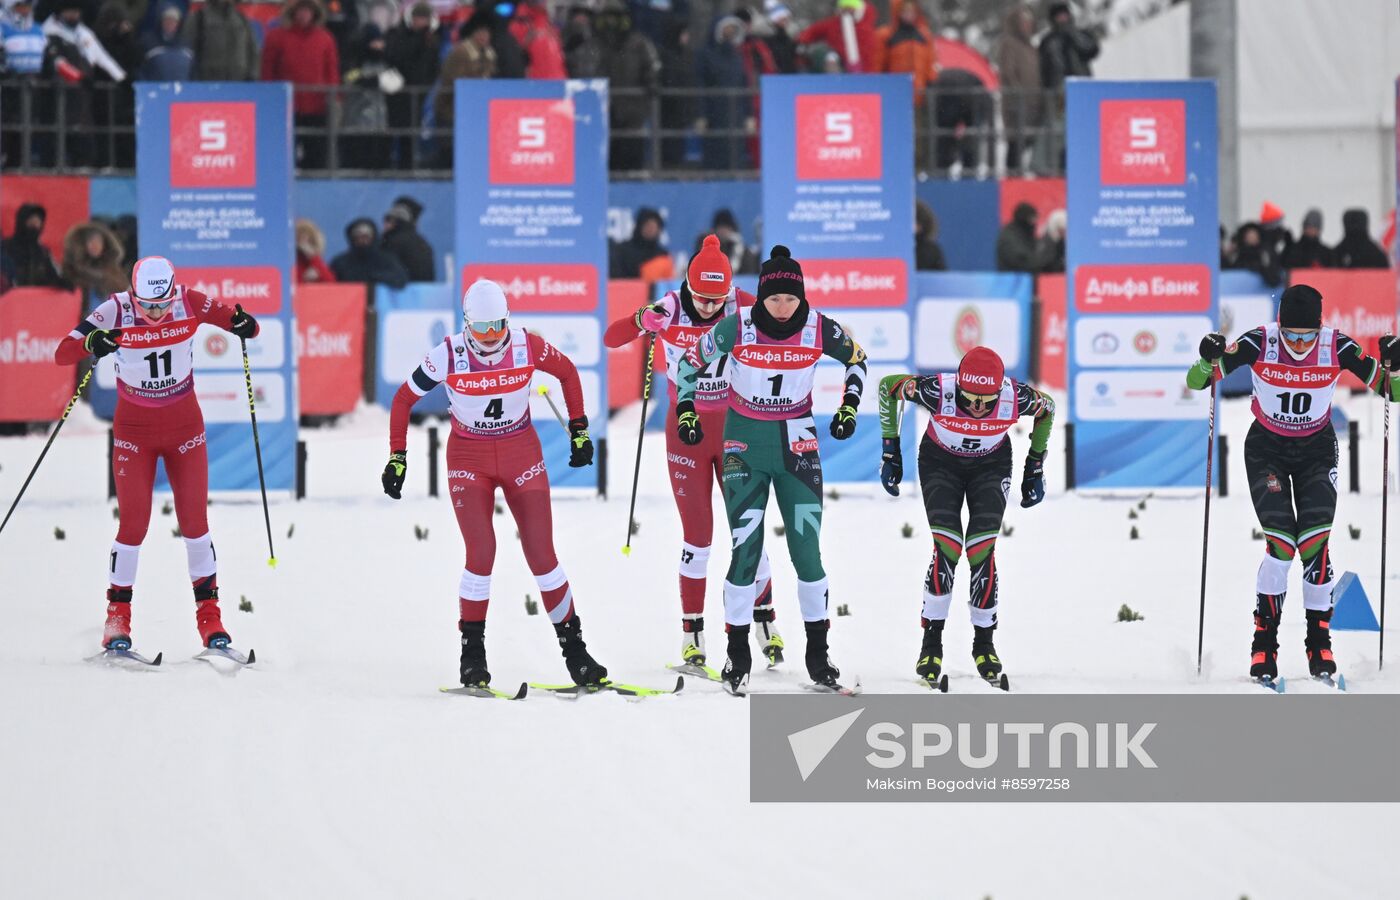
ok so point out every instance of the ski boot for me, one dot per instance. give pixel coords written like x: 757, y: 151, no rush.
x: 116, y: 633
x: 693, y: 642
x: 583, y: 668
x: 474, y: 672
x: 930, y: 667
x: 819, y: 667
x: 984, y: 653
x: 1263, y: 660
x: 206, y: 617
x: 765, y: 633
x: 739, y: 661
x: 1319, y: 643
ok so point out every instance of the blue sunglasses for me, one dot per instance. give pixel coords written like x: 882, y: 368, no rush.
x: 1297, y: 337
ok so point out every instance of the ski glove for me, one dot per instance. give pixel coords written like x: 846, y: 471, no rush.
x: 580, y: 444
x: 651, y: 317
x: 392, y: 478
x: 688, y: 424
x: 1389, y: 347
x: 891, y: 466
x: 1212, y: 347
x: 100, y: 343
x: 1033, y: 479
x: 242, y: 325
x: 843, y: 424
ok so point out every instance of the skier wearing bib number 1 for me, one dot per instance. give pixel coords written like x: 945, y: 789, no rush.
x: 770, y: 441
x: 1290, y: 458
x: 151, y: 331
x: 488, y: 368
x: 965, y: 456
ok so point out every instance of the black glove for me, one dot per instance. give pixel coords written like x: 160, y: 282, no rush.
x: 688, y: 424
x: 580, y: 444
x: 242, y: 325
x: 392, y: 478
x: 891, y: 466
x: 100, y: 343
x: 1389, y: 347
x: 843, y: 424
x: 1212, y: 347
x: 1033, y: 479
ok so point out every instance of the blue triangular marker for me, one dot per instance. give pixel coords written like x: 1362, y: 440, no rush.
x: 1351, y: 609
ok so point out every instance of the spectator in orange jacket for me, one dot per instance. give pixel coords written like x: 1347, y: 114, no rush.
x: 867, y: 54
x: 907, y: 45
x: 301, y: 50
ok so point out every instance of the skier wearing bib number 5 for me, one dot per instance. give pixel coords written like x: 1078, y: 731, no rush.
x: 487, y: 368
x: 1290, y: 457
x: 770, y: 441
x: 965, y: 456
x: 151, y: 330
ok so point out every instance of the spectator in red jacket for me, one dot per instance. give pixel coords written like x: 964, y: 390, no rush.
x: 311, y: 247
x: 866, y: 55
x: 302, y: 50
x: 533, y: 31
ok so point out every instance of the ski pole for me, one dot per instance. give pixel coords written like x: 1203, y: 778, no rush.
x: 257, y: 445
x: 544, y: 392
x: 1205, y: 531
x: 63, y: 418
x: 641, y: 431
x: 1385, y: 509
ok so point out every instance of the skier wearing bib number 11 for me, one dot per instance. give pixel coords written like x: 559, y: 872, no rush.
x: 488, y: 368
x: 1290, y: 458
x: 965, y: 456
x: 151, y: 331
x: 770, y: 441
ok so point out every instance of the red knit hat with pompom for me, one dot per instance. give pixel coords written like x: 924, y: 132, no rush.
x: 709, y: 274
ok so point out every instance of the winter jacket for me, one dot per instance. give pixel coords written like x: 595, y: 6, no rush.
x: 22, y: 42
x: 1017, y: 248
x: 1018, y: 64
x: 98, y: 277
x: 629, y: 256
x: 1357, y: 250
x: 166, y: 60
x: 33, y: 264
x: 367, y: 106
x: 303, y: 56
x: 1308, y: 253
x: 414, y: 253
x: 783, y: 50
x: 721, y: 65
x: 415, y: 54
x: 118, y: 38
x: 223, y: 43
x: 583, y: 54
x: 629, y: 61
x: 1066, y: 53
x: 87, y: 44
x: 466, y: 60
x: 536, y: 34
x: 909, y: 48
x: 828, y: 31
x: 1256, y: 257
x: 368, y: 265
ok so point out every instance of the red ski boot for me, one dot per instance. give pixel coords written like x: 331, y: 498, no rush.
x: 206, y: 616
x: 116, y: 633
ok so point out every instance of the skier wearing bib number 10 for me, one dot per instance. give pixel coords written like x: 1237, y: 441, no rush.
x: 151, y: 331
x: 487, y: 368
x: 1290, y: 458
x: 965, y: 456
x: 770, y: 441
x: 678, y: 320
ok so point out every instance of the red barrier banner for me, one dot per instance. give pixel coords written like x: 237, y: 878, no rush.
x: 33, y: 388
x: 330, y: 346
x: 1054, y: 314
x: 625, y: 363
x: 1360, y: 303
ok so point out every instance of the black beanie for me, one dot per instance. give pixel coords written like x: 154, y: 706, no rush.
x: 1300, y: 307
x: 781, y: 274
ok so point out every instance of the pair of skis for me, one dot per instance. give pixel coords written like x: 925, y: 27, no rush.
x: 124, y: 657
x: 743, y: 689
x: 486, y: 692
x: 999, y: 681
x: 1278, y: 685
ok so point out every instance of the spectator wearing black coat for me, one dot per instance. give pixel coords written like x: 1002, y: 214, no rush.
x: 365, y: 262
x: 678, y: 112
x: 413, y: 50
x: 1253, y: 255
x: 630, y: 63
x: 511, y: 61
x: 33, y: 263
x: 781, y: 43
x: 117, y: 107
x: 721, y: 65
x: 402, y: 240
x: 1357, y: 250
x: 928, y: 255
x: 1017, y: 247
x: 645, y: 245
x: 743, y: 260
x: 1308, y: 252
x: 1065, y: 51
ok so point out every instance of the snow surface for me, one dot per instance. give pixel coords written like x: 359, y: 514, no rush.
x: 335, y: 769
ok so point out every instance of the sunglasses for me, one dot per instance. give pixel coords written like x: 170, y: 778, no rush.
x: 978, y: 399
x: 1297, y: 337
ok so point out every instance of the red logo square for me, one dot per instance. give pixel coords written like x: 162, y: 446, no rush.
x: 532, y: 141
x: 838, y: 137
x: 213, y: 145
x: 1142, y: 142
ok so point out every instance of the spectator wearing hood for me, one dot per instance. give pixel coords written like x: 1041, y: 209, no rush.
x: 223, y: 42
x: 311, y: 247
x: 866, y: 54
x: 1251, y: 254
x: 1017, y: 247
x: 414, y: 50
x: 402, y: 240
x: 473, y: 56
x: 66, y: 26
x: 742, y: 258
x: 535, y: 33
x: 167, y: 58
x: 630, y: 63
x: 631, y: 256
x: 1308, y: 252
x: 721, y: 66
x: 1018, y: 65
x: 907, y: 46
x: 32, y: 261
x: 301, y: 50
x: 372, y: 80
x: 780, y: 41
x: 928, y: 254
x: 1357, y: 250
x: 92, y: 261
x: 75, y: 56
x: 583, y: 55
x: 655, y: 18
x: 364, y: 261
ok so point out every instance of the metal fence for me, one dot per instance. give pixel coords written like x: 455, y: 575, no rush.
x: 663, y: 133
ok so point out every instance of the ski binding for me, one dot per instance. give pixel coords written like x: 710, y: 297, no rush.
x: 487, y: 692
x: 941, y: 685
x: 627, y: 690
x: 1340, y: 683
x: 1000, y: 682
x: 1268, y: 681
x: 122, y: 656
x: 225, y: 652
x: 694, y: 671
x: 834, y: 688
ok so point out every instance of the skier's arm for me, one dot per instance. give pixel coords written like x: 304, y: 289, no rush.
x: 1242, y: 352
x: 549, y: 360
x: 838, y: 344
x: 1351, y: 357
x: 918, y: 388
x: 1041, y: 406
x: 628, y: 328
x: 80, y: 343
x: 430, y: 373
x: 716, y: 342
x: 207, y: 309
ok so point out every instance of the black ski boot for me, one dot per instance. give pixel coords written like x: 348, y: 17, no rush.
x: 1319, y: 643
x: 930, y: 665
x: 984, y: 653
x: 1263, y: 660
x: 583, y: 669
x: 474, y: 673
x: 819, y: 667
x: 739, y: 659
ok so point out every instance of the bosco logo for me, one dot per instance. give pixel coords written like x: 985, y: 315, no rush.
x: 532, y: 141
x: 213, y: 144
x: 838, y: 137
x: 1142, y: 142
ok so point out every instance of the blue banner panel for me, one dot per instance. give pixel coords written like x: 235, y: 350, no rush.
x: 1143, y: 272
x: 956, y: 311
x: 214, y: 187
x: 531, y: 166
x: 969, y: 220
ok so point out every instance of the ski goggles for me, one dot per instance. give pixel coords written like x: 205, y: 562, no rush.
x: 489, y: 329
x: 978, y: 400
x: 155, y: 305
x: 1297, y: 337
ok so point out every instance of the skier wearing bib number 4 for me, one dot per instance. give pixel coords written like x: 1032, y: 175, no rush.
x: 1290, y: 457
x: 151, y: 330
x: 488, y: 368
x: 770, y: 441
x: 965, y: 457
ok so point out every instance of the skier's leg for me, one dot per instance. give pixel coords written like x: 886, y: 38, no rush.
x: 987, y: 490
x: 186, y: 459
x: 691, y: 472
x: 1270, y: 490
x: 471, y: 483
x: 134, y: 473
x: 745, y: 479
x: 1315, y: 492
x: 941, y: 480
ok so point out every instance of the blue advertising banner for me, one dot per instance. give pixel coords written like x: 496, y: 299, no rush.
x: 956, y: 311
x: 1143, y: 270
x: 531, y: 162
x: 214, y: 188
x: 838, y: 191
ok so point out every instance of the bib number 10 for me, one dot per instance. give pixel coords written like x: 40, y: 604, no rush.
x: 1294, y: 403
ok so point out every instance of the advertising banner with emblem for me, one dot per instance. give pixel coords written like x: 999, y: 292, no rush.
x: 1143, y: 270
x: 214, y: 187
x: 531, y: 163
x: 33, y: 321
x: 838, y: 191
